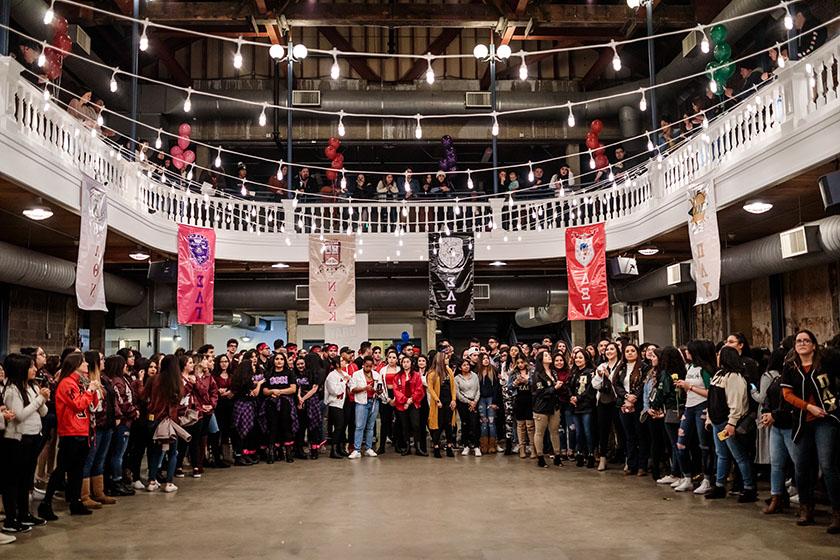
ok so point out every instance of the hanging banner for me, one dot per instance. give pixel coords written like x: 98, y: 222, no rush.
x: 451, y: 276
x: 90, y: 286
x: 586, y: 263
x: 196, y: 274
x: 705, y: 243
x: 332, y: 280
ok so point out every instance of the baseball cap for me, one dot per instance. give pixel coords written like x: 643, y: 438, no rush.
x: 261, y: 346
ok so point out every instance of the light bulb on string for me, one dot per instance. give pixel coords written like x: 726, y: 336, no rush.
x: 788, y: 17
x: 47, y: 97
x: 158, y: 140
x: 190, y: 173
x: 494, y: 130
x: 469, y: 180
x: 42, y: 57
x: 780, y: 60
x: 218, y: 160
x: 523, y: 69
x: 50, y: 13
x: 144, y: 38
x: 611, y: 176
x: 571, y: 119
x: 341, y: 129
x: 407, y: 188
x: 237, y: 57
x: 113, y: 85
x: 705, y: 120
x: 642, y: 101
x: 616, y: 61
x: 430, y: 72
x: 279, y: 174
x: 262, y: 119
x: 704, y: 42
x: 187, y: 101
x: 457, y: 206
x: 335, y: 70
x: 243, y: 190
x: 418, y: 130
x: 530, y: 172
x: 713, y: 86
x: 343, y: 181
x: 591, y: 160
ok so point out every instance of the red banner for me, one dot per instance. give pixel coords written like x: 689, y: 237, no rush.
x: 586, y: 263
x: 196, y: 273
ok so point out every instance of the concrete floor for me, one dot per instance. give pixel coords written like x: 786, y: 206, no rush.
x: 414, y: 507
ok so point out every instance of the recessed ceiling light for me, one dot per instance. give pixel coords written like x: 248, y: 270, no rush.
x: 245, y: 338
x: 279, y: 265
x: 649, y: 251
x: 38, y: 211
x: 498, y: 263
x: 757, y: 206
x: 139, y: 255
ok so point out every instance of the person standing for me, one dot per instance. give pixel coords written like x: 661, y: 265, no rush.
x: 469, y: 391
x: 777, y: 418
x: 628, y: 381
x: 310, y: 417
x: 606, y: 398
x: 545, y: 388
x: 523, y: 411
x: 442, y: 393
x: 367, y: 386
x: 164, y: 393
x: 583, y: 400
x: 386, y: 421
x: 490, y: 397
x: 335, y: 391
x: 116, y: 369
x: 279, y: 389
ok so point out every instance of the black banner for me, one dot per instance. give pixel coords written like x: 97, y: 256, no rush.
x: 451, y: 276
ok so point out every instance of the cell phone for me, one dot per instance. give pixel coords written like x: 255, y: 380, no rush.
x: 722, y: 435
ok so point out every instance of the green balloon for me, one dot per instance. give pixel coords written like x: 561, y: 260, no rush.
x: 718, y: 34
x: 729, y: 70
x: 719, y: 75
x: 722, y: 52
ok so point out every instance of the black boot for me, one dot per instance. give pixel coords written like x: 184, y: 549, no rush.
x: 313, y: 452
x: 45, y: 511
x: 509, y: 447
x: 579, y: 460
x: 78, y: 508
x: 419, y: 452
x: 590, y: 462
x: 335, y: 454
x: 449, y: 452
x: 437, y: 453
x: 558, y: 461
x: 541, y: 462
x: 269, y: 455
x: 717, y: 493
x: 290, y: 454
x: 299, y: 454
x: 342, y: 450
x: 748, y: 496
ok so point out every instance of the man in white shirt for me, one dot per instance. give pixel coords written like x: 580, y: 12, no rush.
x: 366, y: 385
x: 335, y: 391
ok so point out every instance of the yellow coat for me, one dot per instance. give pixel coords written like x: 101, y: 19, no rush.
x: 433, y: 389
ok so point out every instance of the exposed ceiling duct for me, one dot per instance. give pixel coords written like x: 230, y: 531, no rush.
x: 554, y: 310
x: 755, y: 259
x: 240, y: 320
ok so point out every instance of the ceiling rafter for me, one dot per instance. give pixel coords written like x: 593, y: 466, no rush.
x: 438, y: 46
x: 357, y: 63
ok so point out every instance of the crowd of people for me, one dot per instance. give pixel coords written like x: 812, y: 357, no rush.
x: 700, y: 418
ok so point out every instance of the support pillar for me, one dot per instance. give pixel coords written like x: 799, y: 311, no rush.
x: 292, y: 327
x: 198, y: 336
x: 431, y: 335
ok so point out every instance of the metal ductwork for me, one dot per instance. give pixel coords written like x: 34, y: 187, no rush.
x: 240, y: 320
x: 554, y: 311
x: 755, y: 259
x: 35, y: 270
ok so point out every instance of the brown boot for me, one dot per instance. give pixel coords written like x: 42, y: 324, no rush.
x: 491, y: 446
x: 86, y: 501
x: 776, y: 505
x: 483, y: 444
x: 97, y: 485
x: 521, y: 434
x: 806, y: 515
x: 834, y: 528
x: 532, y: 430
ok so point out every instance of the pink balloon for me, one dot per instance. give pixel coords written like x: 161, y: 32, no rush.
x: 189, y: 156
x: 178, y: 163
x: 184, y: 130
x: 175, y: 151
x: 183, y: 142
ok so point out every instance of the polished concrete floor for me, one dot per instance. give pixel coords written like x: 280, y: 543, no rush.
x: 413, y: 507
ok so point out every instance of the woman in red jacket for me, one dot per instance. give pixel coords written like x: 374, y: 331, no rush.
x: 74, y: 396
x: 415, y: 394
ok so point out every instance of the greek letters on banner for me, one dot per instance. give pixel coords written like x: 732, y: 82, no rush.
x: 196, y: 274
x: 90, y: 287
x: 705, y: 243
x: 451, y: 276
x: 332, y: 280
x: 586, y: 263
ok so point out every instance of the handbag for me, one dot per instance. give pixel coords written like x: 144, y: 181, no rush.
x: 672, y: 416
x: 746, y: 424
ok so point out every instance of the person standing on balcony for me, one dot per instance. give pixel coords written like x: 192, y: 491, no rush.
x: 563, y: 181
x: 810, y: 39
x: 408, y: 185
x: 303, y: 185
x: 82, y: 109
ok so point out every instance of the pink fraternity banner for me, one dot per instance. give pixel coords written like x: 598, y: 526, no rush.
x: 586, y: 264
x: 332, y: 280
x: 196, y: 273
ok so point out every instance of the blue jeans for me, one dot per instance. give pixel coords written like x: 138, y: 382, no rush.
x: 817, y: 438
x: 488, y: 417
x: 156, y: 458
x: 567, y: 429
x: 95, y: 462
x: 727, y: 451
x: 694, y: 420
x: 781, y: 447
x: 585, y: 437
x: 119, y: 443
x: 365, y: 423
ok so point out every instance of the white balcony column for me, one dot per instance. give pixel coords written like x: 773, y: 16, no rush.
x: 288, y: 215
x: 496, y: 205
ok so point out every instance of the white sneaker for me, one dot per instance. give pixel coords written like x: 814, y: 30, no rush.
x: 685, y: 485
x: 169, y: 488
x: 37, y: 493
x: 465, y: 452
x: 515, y: 448
x: 794, y: 499
x: 667, y: 480
x: 676, y: 483
x: 500, y: 449
x: 704, y: 488
x: 355, y: 455
x: 7, y: 539
x: 138, y: 485
x: 371, y: 453
x: 477, y: 452
x: 153, y: 486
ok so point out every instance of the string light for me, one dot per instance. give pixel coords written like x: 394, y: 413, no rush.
x: 788, y: 17
x: 279, y: 170
x: 113, y: 85
x: 158, y: 140
x: 335, y: 70
x: 242, y: 190
x: 571, y: 119
x: 616, y: 61
x: 649, y: 141
x: 262, y: 119
x: 713, y: 87
x: 530, y: 172
x: 144, y: 38
x: 341, y: 129
x: 190, y: 173
x: 469, y: 180
x: 407, y: 186
x: 343, y: 182
x: 591, y: 160
x: 187, y: 102
x: 642, y: 101
x: 276, y: 51
x: 50, y: 13
x: 42, y: 57
x: 218, y: 160
x: 780, y: 60
x: 495, y: 128
x: 237, y: 58
x: 523, y: 69
x: 299, y: 51
x: 430, y: 72
x: 418, y: 130
x: 46, y: 97
x: 704, y: 42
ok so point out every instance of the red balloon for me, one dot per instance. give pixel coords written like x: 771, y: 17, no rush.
x: 591, y: 140
x: 60, y: 25
x: 600, y: 152
x: 184, y: 129
x: 597, y: 126
x: 330, y: 152
x: 334, y: 142
x: 63, y: 42
x: 188, y: 156
x: 183, y: 142
x: 332, y: 175
x: 601, y: 161
x: 337, y: 164
x: 178, y: 163
x: 175, y: 151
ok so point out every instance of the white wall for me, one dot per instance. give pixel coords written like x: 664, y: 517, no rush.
x: 379, y: 325
x: 218, y: 336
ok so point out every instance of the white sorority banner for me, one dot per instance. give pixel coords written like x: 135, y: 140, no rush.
x: 705, y: 242
x: 90, y: 286
x: 332, y: 280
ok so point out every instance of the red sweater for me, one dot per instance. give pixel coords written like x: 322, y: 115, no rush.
x: 416, y: 389
x: 72, y: 407
x: 408, y: 384
x: 204, y: 391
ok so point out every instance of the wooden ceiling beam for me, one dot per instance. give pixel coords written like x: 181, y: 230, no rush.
x: 357, y: 63
x: 438, y: 46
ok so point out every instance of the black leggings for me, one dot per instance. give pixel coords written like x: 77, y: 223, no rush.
x: 386, y: 421
x: 444, y: 425
x: 19, y: 475
x: 279, y: 423
x: 335, y: 425
x: 72, y: 452
x: 198, y: 431
x: 470, y: 425
x: 349, y: 420
x: 606, y: 419
x: 139, y: 439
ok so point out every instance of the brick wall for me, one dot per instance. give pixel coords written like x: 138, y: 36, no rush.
x: 45, y: 319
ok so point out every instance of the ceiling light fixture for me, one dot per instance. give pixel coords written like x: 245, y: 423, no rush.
x: 498, y: 263
x: 757, y: 206
x: 38, y: 211
x: 139, y: 255
x: 276, y: 52
x: 649, y: 251
x: 279, y: 265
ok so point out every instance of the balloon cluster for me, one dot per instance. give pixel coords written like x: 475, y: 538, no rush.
x: 333, y: 153
x: 181, y: 156
x: 594, y: 144
x: 719, y: 68
x: 61, y: 40
x: 449, y: 162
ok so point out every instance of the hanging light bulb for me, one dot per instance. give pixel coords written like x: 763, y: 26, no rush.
x: 642, y: 101
x: 190, y: 173
x: 611, y: 176
x: 280, y: 170
x: 530, y: 172
x: 113, y: 85
x: 407, y: 187
x: 705, y: 120
x: 780, y: 60
x: 276, y: 51
x: 100, y: 120
x: 649, y: 141
x: 494, y: 130
x: 47, y: 97
x: 457, y: 206
x: 295, y: 200
x: 469, y: 180
x: 237, y: 57
x: 262, y: 119
x: 42, y: 57
x: 341, y: 129
x: 788, y: 17
x: 50, y: 13
x: 430, y: 72
x: 616, y: 61
x: 299, y: 51
x: 144, y: 38
x: 591, y: 160
x: 418, y: 130
x: 218, y: 160
x: 158, y: 141
x: 243, y: 190
x: 523, y: 69
x: 335, y: 70
x: 343, y: 181
x: 187, y: 101
x: 713, y: 87
x: 704, y: 42
x: 571, y: 119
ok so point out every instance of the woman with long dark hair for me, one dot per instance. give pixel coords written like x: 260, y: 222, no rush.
x: 190, y: 406
x: 442, y: 414
x: 468, y: 394
x: 562, y: 369
x: 490, y: 397
x: 583, y: 400
x: 728, y: 404
x: 628, y: 381
x: 606, y: 398
x: 93, y: 487
x: 164, y: 393
x: 279, y: 389
x: 777, y: 418
x: 21, y: 440
x: 415, y: 394
x: 386, y: 409
x: 523, y: 405
x: 545, y: 389
x: 665, y: 404
x: 246, y: 386
x: 222, y: 375
x: 75, y: 394
x: 508, y: 419
x: 126, y: 412
x: 310, y: 417
x: 813, y: 390
x: 421, y: 366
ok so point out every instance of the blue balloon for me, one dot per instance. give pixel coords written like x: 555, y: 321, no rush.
x: 405, y: 336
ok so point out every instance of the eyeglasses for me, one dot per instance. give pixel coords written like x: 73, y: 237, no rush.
x: 803, y: 341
